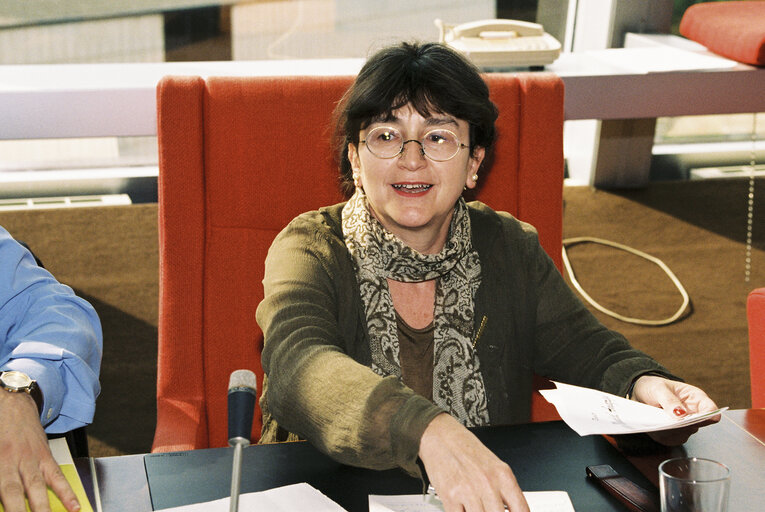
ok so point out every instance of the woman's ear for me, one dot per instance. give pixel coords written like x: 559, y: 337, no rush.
x: 353, y: 158
x: 474, y: 163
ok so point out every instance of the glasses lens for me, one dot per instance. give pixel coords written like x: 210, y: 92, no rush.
x: 440, y: 145
x: 384, y: 142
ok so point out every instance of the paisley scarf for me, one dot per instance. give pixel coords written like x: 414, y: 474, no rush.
x: 458, y: 386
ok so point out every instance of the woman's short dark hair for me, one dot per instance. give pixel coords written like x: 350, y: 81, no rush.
x: 431, y: 77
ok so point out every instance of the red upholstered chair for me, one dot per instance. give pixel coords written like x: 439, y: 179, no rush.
x: 755, y: 311
x: 735, y: 30
x: 235, y: 168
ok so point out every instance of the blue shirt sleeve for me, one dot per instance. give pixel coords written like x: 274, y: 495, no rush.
x: 50, y: 334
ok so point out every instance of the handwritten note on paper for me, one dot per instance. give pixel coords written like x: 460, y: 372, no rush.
x: 589, y: 411
x: 539, y: 501
x: 281, y: 499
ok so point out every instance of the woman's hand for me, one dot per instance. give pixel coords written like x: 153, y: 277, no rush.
x: 679, y: 399
x: 27, y: 468
x: 466, y: 475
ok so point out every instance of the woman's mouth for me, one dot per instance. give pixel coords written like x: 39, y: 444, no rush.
x: 411, y: 188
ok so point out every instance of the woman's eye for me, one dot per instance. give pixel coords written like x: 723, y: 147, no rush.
x: 387, y: 136
x: 438, y: 137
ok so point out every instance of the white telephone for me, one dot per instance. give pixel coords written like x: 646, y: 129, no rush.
x: 501, y: 43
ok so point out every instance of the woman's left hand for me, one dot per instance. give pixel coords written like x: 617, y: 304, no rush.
x: 678, y: 399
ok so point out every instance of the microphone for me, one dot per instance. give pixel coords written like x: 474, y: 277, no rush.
x: 242, y: 388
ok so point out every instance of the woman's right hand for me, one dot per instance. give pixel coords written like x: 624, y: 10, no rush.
x: 466, y: 475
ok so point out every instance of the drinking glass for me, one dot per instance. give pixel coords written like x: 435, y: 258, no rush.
x: 691, y: 484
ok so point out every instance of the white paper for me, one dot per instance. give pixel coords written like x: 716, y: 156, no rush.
x: 539, y: 501
x: 589, y: 411
x: 280, y: 499
x: 60, y: 451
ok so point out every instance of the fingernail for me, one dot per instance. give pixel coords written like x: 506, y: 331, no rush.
x: 74, y: 505
x: 679, y: 411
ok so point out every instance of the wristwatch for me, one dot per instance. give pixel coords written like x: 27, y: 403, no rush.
x: 19, y: 382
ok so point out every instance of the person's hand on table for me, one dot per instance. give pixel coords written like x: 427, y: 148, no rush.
x: 27, y: 466
x: 678, y: 398
x: 466, y: 475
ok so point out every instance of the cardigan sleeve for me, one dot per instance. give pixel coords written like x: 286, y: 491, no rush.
x: 315, y: 389
x: 572, y: 345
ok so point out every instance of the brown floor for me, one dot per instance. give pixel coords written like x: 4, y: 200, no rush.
x: 109, y: 255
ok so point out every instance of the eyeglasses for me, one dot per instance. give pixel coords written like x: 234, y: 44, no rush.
x: 438, y: 145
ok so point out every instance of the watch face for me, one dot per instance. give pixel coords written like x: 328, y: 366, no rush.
x: 15, y: 380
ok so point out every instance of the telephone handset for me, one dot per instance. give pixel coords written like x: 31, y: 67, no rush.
x: 501, y: 43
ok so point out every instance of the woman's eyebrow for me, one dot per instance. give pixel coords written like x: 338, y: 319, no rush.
x: 437, y: 121
x: 384, y: 118
x: 430, y: 121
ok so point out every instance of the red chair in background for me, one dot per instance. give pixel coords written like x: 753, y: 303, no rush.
x: 755, y: 312
x: 234, y: 170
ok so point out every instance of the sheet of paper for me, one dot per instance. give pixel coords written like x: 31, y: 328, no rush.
x: 280, y: 499
x: 539, y: 501
x: 589, y: 411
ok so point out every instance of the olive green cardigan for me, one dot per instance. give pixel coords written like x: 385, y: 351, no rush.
x: 319, y: 385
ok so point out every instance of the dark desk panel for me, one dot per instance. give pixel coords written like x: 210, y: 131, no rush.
x: 544, y: 456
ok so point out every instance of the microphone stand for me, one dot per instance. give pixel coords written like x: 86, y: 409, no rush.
x: 236, y: 472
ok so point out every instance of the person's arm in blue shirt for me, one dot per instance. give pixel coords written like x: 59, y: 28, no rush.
x: 53, y: 336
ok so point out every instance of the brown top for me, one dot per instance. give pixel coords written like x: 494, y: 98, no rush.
x: 415, y: 353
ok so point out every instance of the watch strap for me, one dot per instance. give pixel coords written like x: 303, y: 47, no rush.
x: 36, y: 393
x: 631, y: 495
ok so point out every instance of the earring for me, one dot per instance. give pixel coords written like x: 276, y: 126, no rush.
x: 474, y: 177
x: 355, y: 176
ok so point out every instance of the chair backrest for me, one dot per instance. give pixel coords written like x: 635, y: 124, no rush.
x: 235, y: 169
x: 755, y: 312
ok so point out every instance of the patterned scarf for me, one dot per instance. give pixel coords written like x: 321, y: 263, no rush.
x: 458, y: 386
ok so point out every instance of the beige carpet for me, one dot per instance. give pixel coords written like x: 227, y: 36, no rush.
x: 698, y: 229
x: 109, y: 255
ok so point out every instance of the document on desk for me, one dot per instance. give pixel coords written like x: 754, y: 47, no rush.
x: 280, y: 499
x: 539, y: 501
x: 60, y: 451
x: 589, y: 411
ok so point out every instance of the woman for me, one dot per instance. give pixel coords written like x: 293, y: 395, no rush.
x: 397, y: 319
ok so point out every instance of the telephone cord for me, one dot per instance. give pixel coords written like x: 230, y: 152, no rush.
x: 653, y: 259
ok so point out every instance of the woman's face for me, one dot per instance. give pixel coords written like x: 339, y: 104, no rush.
x: 411, y: 195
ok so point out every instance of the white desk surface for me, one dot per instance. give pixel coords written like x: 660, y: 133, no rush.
x: 91, y: 100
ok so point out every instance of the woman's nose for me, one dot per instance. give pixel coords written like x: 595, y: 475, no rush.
x: 414, y: 156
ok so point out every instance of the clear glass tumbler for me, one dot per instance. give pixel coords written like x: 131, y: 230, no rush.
x: 693, y: 485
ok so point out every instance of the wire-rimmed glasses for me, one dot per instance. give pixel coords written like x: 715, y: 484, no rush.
x: 438, y: 145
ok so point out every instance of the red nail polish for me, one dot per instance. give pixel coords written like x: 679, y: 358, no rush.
x: 679, y: 411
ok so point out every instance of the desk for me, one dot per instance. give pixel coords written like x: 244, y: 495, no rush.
x: 106, y: 100
x: 102, y: 100
x: 738, y: 440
